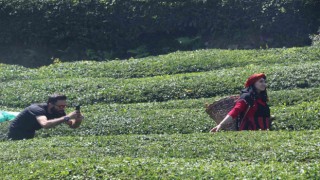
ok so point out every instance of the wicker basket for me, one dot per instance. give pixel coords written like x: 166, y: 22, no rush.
x: 219, y: 109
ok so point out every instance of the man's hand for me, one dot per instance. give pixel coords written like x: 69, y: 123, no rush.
x: 73, y: 115
x: 75, y: 122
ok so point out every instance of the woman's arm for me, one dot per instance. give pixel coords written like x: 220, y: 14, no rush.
x: 227, y: 120
x: 239, y: 107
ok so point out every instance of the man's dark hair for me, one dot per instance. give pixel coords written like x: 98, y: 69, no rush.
x: 56, y: 97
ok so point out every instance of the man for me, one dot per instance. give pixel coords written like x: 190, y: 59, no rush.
x: 45, y: 115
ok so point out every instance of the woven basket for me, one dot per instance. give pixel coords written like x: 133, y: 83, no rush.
x: 219, y: 109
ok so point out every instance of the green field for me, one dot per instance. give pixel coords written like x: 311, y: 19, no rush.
x: 145, y: 118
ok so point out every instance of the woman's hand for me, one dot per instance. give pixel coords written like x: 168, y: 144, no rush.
x: 216, y: 129
x: 228, y: 119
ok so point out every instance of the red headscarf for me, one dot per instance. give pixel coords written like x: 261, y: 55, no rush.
x: 254, y: 78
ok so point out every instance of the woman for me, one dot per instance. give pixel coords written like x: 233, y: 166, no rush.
x: 251, y: 111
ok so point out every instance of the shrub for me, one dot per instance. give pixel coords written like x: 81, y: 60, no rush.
x: 104, y: 29
x: 194, y: 156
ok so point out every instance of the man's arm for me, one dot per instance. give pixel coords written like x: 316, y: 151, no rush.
x: 45, y: 123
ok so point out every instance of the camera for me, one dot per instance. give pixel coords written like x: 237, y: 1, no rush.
x: 77, y: 107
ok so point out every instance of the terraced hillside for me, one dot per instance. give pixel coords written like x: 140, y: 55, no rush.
x: 145, y: 117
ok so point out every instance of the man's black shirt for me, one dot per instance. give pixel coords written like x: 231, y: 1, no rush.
x: 25, y: 124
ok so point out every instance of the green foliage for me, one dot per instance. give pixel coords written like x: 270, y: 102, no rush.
x: 145, y: 118
x: 170, y: 103
x: 174, y: 63
x: 268, y: 155
x: 159, y: 88
x: 183, y: 116
x: 315, y: 39
x: 105, y: 29
x: 302, y: 116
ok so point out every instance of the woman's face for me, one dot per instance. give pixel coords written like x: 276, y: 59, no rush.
x: 261, y: 85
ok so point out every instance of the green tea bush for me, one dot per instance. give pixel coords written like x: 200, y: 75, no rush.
x: 303, y: 116
x: 159, y: 88
x: 155, y: 126
x: 174, y: 63
x: 182, y: 116
x: 234, y: 155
